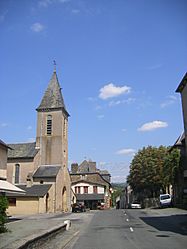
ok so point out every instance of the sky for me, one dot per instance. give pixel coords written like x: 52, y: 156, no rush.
x: 119, y: 63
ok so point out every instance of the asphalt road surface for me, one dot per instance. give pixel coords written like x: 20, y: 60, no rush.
x: 130, y: 229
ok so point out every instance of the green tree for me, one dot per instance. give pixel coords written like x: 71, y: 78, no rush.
x: 3, y: 216
x: 171, y: 167
x: 145, y: 175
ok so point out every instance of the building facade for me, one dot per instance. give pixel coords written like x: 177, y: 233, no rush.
x: 41, y: 168
x: 181, y: 185
x: 91, y: 185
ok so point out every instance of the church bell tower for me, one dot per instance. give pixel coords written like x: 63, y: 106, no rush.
x: 52, y: 126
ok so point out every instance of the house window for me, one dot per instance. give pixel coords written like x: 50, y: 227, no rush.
x: 77, y: 190
x: 17, y: 173
x: 95, y: 189
x: 85, y: 190
x: 49, y: 125
x: 12, y: 202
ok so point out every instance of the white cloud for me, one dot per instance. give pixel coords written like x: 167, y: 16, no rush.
x: 29, y: 127
x: 125, y: 152
x: 118, y: 102
x: 37, y: 27
x: 46, y: 3
x: 169, y: 101
x: 100, y: 116
x: 110, y: 91
x: 124, y: 130
x: 4, y: 125
x: 153, y: 125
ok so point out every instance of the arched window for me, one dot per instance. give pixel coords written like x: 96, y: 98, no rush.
x: 49, y: 125
x: 17, y: 173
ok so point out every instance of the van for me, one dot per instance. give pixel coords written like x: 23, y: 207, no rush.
x: 165, y: 200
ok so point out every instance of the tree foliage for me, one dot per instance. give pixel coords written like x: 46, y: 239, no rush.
x: 153, y: 169
x: 3, y: 216
x: 171, y: 167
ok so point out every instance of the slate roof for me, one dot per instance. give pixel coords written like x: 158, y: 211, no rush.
x: 104, y: 172
x: 182, y: 84
x: 4, y: 145
x: 46, y: 171
x: 33, y: 191
x: 82, y: 197
x: 22, y: 150
x: 52, y: 98
x: 180, y: 140
x: 89, y: 182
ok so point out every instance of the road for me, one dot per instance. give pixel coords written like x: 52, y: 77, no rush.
x: 133, y: 229
x: 124, y: 229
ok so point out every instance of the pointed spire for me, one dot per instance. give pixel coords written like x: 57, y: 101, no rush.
x: 53, y: 99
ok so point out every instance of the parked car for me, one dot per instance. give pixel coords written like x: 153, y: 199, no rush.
x: 165, y: 200
x: 78, y: 207
x: 101, y: 206
x: 135, y: 204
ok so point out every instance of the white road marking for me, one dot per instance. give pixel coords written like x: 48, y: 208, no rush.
x: 131, y: 229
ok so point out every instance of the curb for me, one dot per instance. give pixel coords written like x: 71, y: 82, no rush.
x: 34, y: 239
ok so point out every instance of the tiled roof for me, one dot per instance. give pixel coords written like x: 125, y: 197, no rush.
x: 182, y: 84
x: 22, y: 150
x: 33, y: 191
x: 46, y: 171
x: 82, y: 197
x: 52, y: 98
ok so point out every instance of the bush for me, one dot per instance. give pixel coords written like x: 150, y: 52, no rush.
x: 3, y: 216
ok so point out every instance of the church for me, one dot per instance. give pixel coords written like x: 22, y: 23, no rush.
x: 41, y: 168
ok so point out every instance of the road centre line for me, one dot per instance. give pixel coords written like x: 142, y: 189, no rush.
x: 131, y: 229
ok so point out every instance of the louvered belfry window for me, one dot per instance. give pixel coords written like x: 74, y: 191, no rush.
x: 49, y: 125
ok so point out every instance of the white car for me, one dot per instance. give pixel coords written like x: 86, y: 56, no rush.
x: 136, y: 204
x: 165, y: 200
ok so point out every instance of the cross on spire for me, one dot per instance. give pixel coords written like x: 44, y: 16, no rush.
x: 54, y: 63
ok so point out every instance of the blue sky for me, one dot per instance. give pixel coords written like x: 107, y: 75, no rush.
x: 119, y: 63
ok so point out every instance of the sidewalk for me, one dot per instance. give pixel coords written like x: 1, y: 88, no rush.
x: 23, y: 229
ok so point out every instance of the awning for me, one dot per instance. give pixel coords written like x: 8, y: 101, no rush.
x: 7, y: 187
x: 90, y: 197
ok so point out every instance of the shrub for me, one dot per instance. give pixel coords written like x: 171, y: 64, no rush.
x: 3, y: 216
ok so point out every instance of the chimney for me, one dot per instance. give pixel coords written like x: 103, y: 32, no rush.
x: 29, y: 180
x: 74, y: 168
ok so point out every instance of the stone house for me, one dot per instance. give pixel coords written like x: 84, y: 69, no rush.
x: 41, y: 167
x: 91, y: 185
x: 5, y: 187
x: 3, y: 160
x: 181, y: 144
